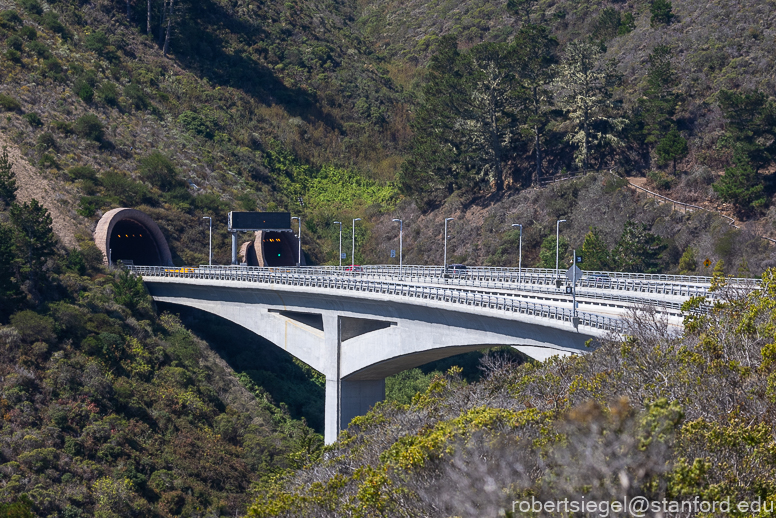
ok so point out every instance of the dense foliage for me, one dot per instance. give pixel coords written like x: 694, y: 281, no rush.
x: 635, y: 417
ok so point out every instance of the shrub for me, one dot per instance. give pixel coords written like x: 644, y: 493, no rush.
x: 96, y: 42
x: 159, y: 171
x: 86, y: 207
x: 660, y: 179
x: 198, y: 124
x: 28, y: 33
x: 83, y: 89
x: 82, y: 172
x: 47, y: 141
x: 10, y: 18
x: 63, y: 127
x: 134, y: 93
x: 89, y: 127
x: 13, y: 55
x: 9, y: 104
x: 31, y: 6
x: 39, y: 49
x: 33, y: 327
x: 53, y: 68
x: 126, y: 191
x: 33, y: 118
x: 50, y: 20
x: 15, y: 43
x: 108, y: 93
x: 48, y: 160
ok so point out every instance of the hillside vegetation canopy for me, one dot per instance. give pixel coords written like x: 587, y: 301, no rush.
x: 378, y: 110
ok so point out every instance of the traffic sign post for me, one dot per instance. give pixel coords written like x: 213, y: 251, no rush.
x: 572, y: 275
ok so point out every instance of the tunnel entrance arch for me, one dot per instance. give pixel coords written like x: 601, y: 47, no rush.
x: 132, y: 236
x: 277, y: 248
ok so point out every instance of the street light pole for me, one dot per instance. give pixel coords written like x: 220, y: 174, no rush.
x: 299, y: 241
x: 520, y: 260
x: 445, y: 260
x: 210, y: 245
x: 557, y: 245
x: 340, y: 255
x: 401, y: 232
x: 353, y: 250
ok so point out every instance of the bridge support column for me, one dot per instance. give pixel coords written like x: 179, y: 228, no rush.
x: 344, y: 399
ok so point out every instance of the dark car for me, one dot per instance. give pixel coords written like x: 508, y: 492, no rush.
x: 456, y: 270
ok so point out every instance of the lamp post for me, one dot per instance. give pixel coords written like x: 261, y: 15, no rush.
x: 210, y: 245
x: 445, y: 260
x: 401, y: 232
x: 340, y: 254
x: 299, y: 241
x: 520, y: 260
x: 557, y: 245
x: 353, y: 250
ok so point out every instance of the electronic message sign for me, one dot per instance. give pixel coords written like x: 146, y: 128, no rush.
x: 254, y: 221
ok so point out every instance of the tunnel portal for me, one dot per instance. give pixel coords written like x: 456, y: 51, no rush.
x: 278, y: 249
x: 131, y: 241
x: 130, y: 235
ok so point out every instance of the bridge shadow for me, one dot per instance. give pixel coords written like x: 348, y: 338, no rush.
x: 288, y: 381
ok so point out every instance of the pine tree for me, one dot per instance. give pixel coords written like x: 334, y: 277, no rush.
x: 672, y: 147
x: 536, y: 61
x: 595, y: 253
x: 8, y: 186
x: 741, y: 185
x: 9, y: 288
x: 750, y: 125
x: 657, y: 107
x: 585, y: 94
x: 521, y: 9
x: 662, y: 13
x: 35, y: 239
x: 638, y: 250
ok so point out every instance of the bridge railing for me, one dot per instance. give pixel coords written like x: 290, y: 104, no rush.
x: 340, y: 283
x: 529, y: 274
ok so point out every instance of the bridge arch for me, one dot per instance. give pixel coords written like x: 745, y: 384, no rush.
x: 131, y: 235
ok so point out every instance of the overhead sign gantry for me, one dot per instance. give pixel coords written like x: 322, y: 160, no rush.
x: 256, y: 222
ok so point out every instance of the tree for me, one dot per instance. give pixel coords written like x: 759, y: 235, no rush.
x: 741, y: 185
x: 159, y: 170
x: 595, y: 253
x: 536, y: 60
x: 688, y: 263
x: 9, y: 288
x: 750, y: 125
x: 672, y: 147
x: 662, y: 13
x: 34, y: 237
x: 521, y: 9
x: 8, y: 186
x: 169, y: 28
x: 466, y: 123
x: 638, y: 250
x: 656, y: 109
x: 611, y: 23
x: 547, y: 251
x: 585, y: 94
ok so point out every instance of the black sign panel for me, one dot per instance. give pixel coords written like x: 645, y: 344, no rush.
x: 245, y: 221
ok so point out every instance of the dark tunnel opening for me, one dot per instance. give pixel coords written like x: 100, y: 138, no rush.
x: 130, y: 241
x: 279, y: 249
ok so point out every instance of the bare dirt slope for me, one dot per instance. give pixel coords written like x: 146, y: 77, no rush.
x: 50, y: 192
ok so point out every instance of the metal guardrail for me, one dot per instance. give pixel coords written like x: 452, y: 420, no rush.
x: 343, y: 283
x: 533, y: 275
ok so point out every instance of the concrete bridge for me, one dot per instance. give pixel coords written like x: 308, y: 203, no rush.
x: 359, y: 328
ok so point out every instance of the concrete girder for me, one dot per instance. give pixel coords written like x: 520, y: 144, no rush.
x: 358, y: 339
